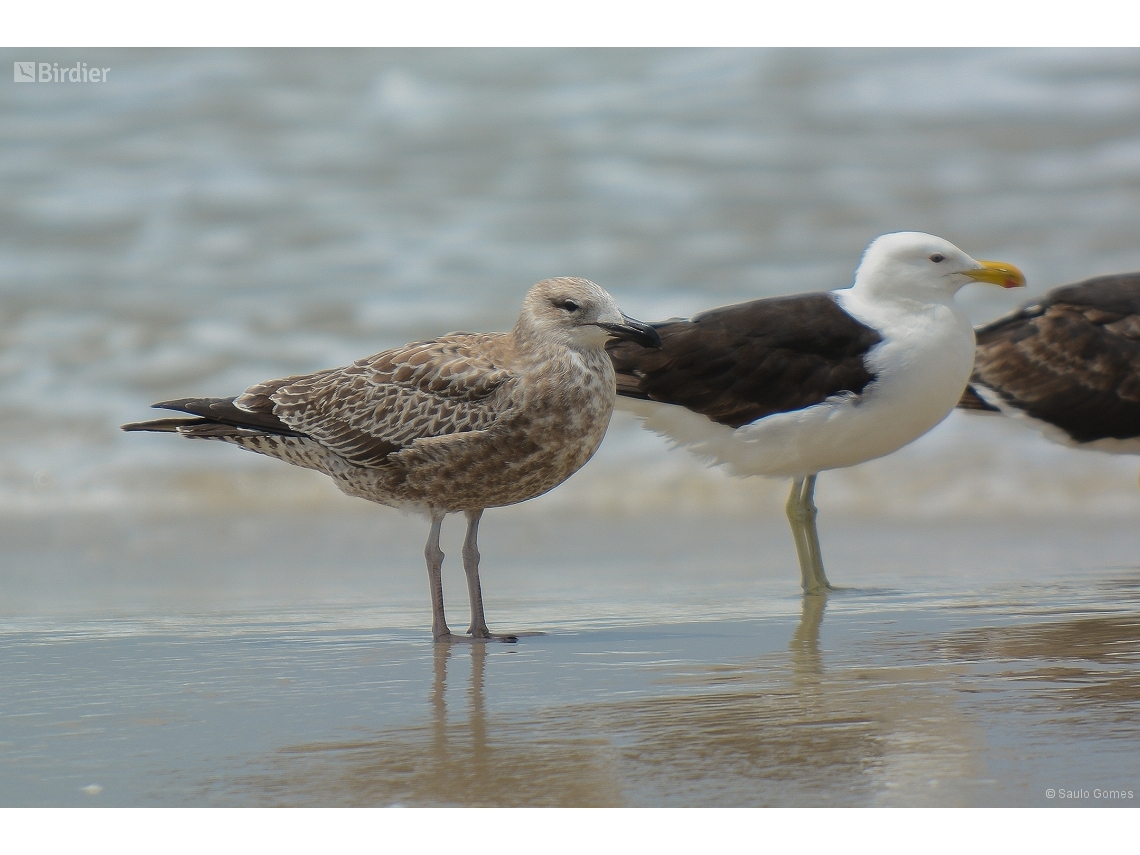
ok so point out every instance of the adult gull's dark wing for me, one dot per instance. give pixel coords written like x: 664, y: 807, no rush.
x: 740, y: 363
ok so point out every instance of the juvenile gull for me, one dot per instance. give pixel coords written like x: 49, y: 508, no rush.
x: 460, y: 423
x: 1068, y: 364
x: 791, y: 386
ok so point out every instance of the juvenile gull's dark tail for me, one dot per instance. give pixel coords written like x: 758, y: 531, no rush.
x: 213, y: 411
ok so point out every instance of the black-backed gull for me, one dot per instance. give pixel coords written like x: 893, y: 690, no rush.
x: 463, y: 422
x: 1068, y: 364
x: 791, y: 386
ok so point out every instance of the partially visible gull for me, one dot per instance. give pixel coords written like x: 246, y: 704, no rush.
x: 791, y: 386
x: 1068, y: 365
x: 459, y: 423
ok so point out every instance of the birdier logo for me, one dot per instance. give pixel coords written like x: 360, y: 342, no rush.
x: 51, y: 72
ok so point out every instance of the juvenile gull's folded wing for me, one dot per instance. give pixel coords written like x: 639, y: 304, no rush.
x: 379, y: 404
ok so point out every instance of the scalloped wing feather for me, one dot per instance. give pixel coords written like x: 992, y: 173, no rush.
x: 382, y: 403
x: 1072, y: 359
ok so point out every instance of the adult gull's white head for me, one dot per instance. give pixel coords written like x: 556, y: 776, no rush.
x: 917, y: 266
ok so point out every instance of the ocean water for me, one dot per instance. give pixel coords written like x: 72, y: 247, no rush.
x: 184, y: 623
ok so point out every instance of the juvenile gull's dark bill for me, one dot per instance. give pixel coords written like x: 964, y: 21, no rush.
x: 791, y: 386
x: 460, y: 423
x: 1067, y: 364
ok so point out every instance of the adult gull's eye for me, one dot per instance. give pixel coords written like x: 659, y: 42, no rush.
x: 937, y: 257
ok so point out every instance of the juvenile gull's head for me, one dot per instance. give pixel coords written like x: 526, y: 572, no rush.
x: 578, y: 314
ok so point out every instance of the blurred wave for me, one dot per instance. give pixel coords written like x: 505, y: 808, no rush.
x: 211, y: 218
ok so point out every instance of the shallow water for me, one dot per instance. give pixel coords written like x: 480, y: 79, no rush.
x: 182, y: 623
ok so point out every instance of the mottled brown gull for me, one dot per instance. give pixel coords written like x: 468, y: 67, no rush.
x: 792, y: 386
x: 1067, y: 364
x: 460, y: 423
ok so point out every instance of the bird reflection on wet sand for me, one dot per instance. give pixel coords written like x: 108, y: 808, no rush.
x: 777, y: 730
x: 1092, y: 658
x: 806, y: 663
x: 456, y: 759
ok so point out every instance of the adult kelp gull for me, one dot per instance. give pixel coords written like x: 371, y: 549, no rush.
x: 791, y: 386
x: 463, y: 422
x: 1068, y: 364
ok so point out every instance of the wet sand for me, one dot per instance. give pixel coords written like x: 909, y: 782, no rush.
x: 249, y: 662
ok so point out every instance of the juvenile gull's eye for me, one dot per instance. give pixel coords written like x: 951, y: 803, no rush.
x: 569, y: 305
x: 937, y: 257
